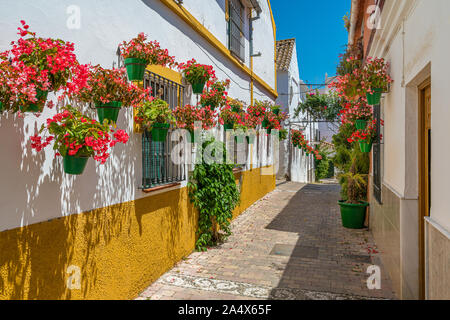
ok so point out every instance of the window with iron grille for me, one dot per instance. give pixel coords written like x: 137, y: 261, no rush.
x: 157, y: 166
x: 377, y: 156
x: 236, y: 42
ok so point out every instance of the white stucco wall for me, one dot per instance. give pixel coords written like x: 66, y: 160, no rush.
x: 41, y: 191
x: 425, y: 43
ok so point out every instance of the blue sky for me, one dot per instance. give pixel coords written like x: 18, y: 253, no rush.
x: 319, y: 30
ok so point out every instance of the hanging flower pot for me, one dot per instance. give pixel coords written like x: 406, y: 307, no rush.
x: 38, y: 106
x: 159, y: 132
x: 269, y: 131
x: 365, y: 147
x: 361, y: 124
x: 197, y: 87
x: 265, y: 123
x: 228, y: 126
x: 74, y: 164
x: 374, y: 97
x: 109, y: 111
x: 135, y: 68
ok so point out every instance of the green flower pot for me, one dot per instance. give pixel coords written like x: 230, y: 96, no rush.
x: 365, y: 147
x: 228, y: 126
x: 38, y: 106
x: 197, y: 88
x: 192, y: 136
x: 74, y: 165
x: 374, y: 99
x: 276, y: 111
x: 135, y: 68
x: 361, y: 124
x: 269, y: 131
x: 159, y: 132
x: 265, y: 123
x: 108, y: 111
x: 353, y: 215
x: 236, y: 109
x: 239, y: 139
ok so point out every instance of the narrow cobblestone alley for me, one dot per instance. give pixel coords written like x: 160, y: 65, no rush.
x: 289, y: 245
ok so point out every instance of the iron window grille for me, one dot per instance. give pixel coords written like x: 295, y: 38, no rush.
x: 236, y: 40
x: 377, y: 156
x: 157, y: 166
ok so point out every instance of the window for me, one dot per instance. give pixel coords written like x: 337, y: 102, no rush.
x: 235, y: 26
x: 157, y: 166
x: 377, y: 156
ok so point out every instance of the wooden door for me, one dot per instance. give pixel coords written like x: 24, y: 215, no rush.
x: 425, y: 154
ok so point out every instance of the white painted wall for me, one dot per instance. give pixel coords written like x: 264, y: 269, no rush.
x: 425, y: 43
x: 40, y: 190
x: 289, y: 90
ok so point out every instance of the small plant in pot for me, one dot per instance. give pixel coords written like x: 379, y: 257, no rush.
x: 138, y: 53
x: 76, y: 138
x: 197, y: 74
x: 353, y: 209
x: 109, y: 91
x: 216, y: 93
x: 365, y: 137
x: 228, y: 118
x: 155, y: 116
x: 375, y: 79
x: 187, y: 116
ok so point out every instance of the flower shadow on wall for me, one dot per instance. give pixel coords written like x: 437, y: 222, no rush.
x: 37, y: 189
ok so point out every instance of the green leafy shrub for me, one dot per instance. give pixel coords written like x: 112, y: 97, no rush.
x: 214, y: 193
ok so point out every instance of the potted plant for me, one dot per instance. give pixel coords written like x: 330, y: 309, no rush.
x: 350, y: 85
x: 228, y: 118
x: 197, y: 74
x: 43, y: 65
x: 236, y: 105
x: 353, y: 209
x: 155, y: 116
x: 187, y: 116
x: 216, y: 93
x: 109, y: 90
x: 138, y: 53
x: 77, y: 138
x: 365, y: 137
x: 358, y: 113
x: 375, y: 79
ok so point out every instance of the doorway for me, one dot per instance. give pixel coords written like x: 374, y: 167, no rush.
x: 425, y: 154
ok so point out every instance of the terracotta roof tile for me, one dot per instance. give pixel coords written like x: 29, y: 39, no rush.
x: 285, y: 48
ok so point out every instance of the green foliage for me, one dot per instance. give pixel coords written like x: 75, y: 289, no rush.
x: 155, y: 111
x: 213, y: 191
x: 322, y: 166
x: 283, y: 134
x: 320, y: 106
x: 356, y: 184
x: 345, y: 155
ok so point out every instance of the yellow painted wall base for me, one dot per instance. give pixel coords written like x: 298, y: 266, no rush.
x: 119, y: 250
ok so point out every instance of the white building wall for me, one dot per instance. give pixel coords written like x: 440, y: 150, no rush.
x: 41, y: 191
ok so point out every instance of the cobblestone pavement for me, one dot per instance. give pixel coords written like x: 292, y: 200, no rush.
x: 290, y: 245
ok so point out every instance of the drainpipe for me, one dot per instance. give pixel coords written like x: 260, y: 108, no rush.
x: 353, y: 20
x: 252, y: 54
